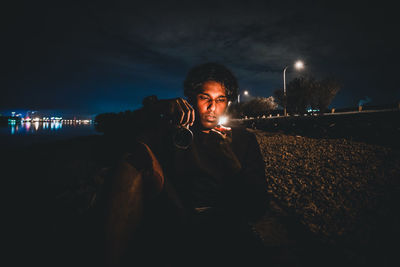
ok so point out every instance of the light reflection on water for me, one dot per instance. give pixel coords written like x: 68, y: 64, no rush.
x: 19, y: 134
x: 52, y: 127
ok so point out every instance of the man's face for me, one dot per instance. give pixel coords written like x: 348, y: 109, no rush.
x: 210, y: 104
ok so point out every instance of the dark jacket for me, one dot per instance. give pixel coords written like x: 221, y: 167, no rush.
x: 227, y: 174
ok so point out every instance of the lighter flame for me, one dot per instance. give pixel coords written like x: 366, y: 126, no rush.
x: 223, y: 120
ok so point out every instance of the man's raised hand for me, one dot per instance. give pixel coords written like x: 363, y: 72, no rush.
x: 178, y: 110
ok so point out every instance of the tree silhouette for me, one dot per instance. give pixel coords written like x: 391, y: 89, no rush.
x: 323, y: 93
x: 258, y: 106
x: 304, y: 92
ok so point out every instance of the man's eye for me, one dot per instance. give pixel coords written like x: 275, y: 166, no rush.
x: 221, y: 100
x: 203, y: 97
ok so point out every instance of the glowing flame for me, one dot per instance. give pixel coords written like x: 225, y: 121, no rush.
x: 223, y: 120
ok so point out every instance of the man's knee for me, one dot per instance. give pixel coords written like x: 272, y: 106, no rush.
x: 143, y: 160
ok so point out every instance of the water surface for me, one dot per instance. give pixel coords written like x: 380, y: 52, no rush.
x: 19, y: 134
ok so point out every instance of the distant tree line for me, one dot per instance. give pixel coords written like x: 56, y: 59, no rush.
x: 307, y: 92
x: 256, y: 107
x: 116, y: 122
x: 126, y: 122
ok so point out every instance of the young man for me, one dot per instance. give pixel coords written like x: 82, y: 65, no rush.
x: 189, y: 205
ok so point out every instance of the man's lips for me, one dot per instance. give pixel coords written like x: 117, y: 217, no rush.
x: 210, y: 118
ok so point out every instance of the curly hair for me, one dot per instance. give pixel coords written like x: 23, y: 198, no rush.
x: 210, y: 71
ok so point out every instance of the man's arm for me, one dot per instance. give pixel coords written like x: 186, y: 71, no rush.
x: 152, y: 124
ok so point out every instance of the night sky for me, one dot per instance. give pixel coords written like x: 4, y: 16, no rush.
x: 89, y: 57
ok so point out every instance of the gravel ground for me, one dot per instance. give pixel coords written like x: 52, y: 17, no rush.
x: 343, y: 192
x: 327, y: 182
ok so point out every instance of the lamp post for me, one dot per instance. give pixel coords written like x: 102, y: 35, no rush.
x: 245, y: 93
x: 297, y: 65
x: 284, y: 91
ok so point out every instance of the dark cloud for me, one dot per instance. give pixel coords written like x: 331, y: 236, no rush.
x: 99, y: 56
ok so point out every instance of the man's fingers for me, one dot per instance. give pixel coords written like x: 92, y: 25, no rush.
x: 189, y: 119
x: 193, y: 116
x: 178, y: 109
x: 187, y: 110
x: 185, y: 119
x: 180, y: 113
x: 190, y: 114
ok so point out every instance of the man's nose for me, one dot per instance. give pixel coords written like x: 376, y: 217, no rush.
x: 211, y: 105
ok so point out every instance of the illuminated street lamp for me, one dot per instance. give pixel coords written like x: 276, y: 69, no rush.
x: 245, y: 93
x: 297, y: 65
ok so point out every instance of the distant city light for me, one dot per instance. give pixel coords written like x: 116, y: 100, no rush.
x: 246, y: 92
x: 32, y: 122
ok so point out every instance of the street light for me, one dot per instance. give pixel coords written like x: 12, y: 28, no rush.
x: 297, y: 65
x: 245, y: 93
